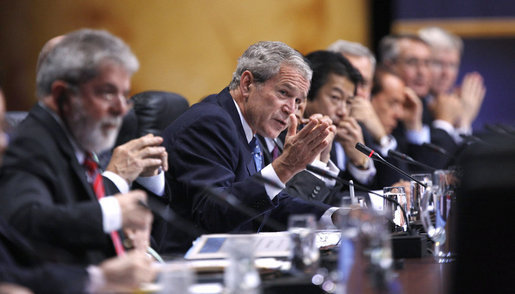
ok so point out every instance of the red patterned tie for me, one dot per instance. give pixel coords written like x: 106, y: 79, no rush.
x: 95, y: 179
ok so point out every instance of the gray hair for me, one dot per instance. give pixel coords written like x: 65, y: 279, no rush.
x: 76, y: 58
x: 353, y: 49
x: 441, y: 39
x: 389, y: 49
x: 264, y: 60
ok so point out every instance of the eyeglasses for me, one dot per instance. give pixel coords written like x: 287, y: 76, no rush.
x: 108, y: 94
x: 442, y: 64
x: 415, y: 62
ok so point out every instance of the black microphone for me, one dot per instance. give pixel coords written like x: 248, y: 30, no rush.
x: 374, y: 155
x: 326, y: 174
x: 436, y: 148
x: 234, y: 202
x: 409, y: 159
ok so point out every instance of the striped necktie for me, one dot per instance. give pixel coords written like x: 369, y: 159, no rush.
x: 95, y: 179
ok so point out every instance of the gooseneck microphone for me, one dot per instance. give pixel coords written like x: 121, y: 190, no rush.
x: 375, y: 156
x: 436, y: 148
x: 326, y: 174
x: 409, y: 159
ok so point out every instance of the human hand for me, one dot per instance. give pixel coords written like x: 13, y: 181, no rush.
x: 134, y: 215
x: 128, y: 272
x: 412, y: 110
x: 302, y: 147
x: 472, y: 93
x: 446, y: 107
x: 362, y: 110
x: 348, y: 134
x: 139, y: 157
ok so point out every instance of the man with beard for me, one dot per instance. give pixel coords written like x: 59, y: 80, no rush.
x: 50, y: 189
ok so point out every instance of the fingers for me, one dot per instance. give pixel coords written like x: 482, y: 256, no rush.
x: 292, y: 128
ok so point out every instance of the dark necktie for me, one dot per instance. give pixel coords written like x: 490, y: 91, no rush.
x: 275, y: 152
x: 257, y: 155
x: 95, y: 180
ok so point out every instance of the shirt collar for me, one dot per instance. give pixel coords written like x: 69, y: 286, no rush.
x: 246, y: 128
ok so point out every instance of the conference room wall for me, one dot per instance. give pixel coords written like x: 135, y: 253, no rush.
x: 189, y: 47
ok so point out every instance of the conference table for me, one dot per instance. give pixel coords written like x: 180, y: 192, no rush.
x: 414, y: 275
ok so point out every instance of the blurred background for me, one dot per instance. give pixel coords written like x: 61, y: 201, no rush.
x: 191, y: 47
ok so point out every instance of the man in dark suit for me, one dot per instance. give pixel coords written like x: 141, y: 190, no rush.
x: 46, y: 190
x: 333, y: 88
x: 20, y: 265
x: 213, y: 144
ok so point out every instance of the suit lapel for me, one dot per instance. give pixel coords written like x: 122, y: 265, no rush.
x: 63, y: 142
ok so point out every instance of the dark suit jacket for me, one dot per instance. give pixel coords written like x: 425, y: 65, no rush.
x: 45, y: 195
x: 20, y: 265
x: 207, y: 147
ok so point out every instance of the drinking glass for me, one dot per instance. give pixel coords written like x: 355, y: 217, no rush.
x: 417, y: 191
x: 305, y: 253
x: 241, y: 275
x: 438, y: 217
x: 176, y: 277
x: 392, y: 210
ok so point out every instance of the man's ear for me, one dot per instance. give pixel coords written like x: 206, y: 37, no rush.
x: 246, y: 81
x: 59, y: 96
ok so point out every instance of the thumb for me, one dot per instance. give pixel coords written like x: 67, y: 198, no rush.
x: 292, y: 128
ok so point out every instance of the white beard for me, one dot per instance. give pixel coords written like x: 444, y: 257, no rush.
x: 89, y: 133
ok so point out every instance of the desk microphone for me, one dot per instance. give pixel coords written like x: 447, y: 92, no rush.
x: 404, y: 157
x: 436, y: 148
x: 375, y: 156
x: 326, y: 174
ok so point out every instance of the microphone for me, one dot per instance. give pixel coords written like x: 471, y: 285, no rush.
x: 436, y: 148
x: 326, y: 174
x: 374, y: 155
x: 409, y: 159
x: 234, y: 202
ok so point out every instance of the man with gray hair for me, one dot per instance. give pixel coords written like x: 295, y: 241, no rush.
x: 50, y: 186
x: 214, y: 145
x: 447, y: 49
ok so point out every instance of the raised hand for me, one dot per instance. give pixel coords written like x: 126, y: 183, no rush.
x: 302, y: 147
x: 363, y: 111
x: 412, y: 110
x: 139, y: 157
x: 348, y: 133
x: 472, y: 93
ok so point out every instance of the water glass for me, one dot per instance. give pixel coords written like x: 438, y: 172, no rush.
x: 176, y: 277
x: 305, y: 254
x: 393, y: 211
x: 417, y: 191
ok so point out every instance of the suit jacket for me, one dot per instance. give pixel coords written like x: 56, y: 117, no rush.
x: 20, y: 265
x: 207, y: 147
x: 45, y: 195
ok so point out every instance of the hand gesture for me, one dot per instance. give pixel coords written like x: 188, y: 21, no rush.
x: 412, y: 110
x: 472, y: 93
x: 348, y: 133
x: 139, y: 157
x: 363, y: 111
x: 301, y: 148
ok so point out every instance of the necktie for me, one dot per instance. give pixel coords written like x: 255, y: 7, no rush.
x: 257, y: 154
x: 275, y: 152
x: 95, y: 179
